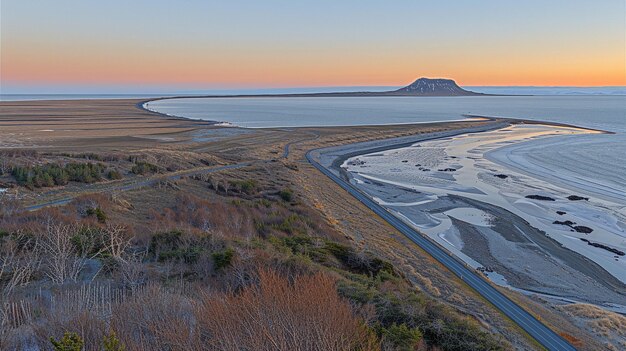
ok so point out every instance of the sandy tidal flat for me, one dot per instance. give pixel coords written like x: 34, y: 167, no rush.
x: 502, y: 216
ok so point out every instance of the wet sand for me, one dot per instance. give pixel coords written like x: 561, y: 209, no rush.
x: 423, y: 183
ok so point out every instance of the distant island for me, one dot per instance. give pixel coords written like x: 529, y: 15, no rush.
x: 432, y: 87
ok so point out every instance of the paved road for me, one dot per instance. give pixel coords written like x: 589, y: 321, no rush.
x: 315, y: 135
x: 544, y: 335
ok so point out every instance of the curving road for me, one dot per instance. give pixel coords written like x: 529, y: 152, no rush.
x: 544, y: 335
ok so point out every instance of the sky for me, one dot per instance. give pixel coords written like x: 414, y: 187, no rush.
x: 72, y: 46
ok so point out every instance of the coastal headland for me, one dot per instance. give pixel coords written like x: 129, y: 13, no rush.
x: 57, y: 131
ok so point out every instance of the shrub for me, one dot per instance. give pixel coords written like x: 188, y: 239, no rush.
x: 84, y: 172
x: 439, y: 324
x: 286, y: 195
x: 297, y: 244
x: 401, y: 337
x: 356, y: 291
x: 260, y: 227
x: 263, y: 203
x: 112, y: 343
x: 223, y: 259
x: 289, y: 224
x: 360, y: 262
x: 87, y: 240
x: 165, y: 241
x: 69, y: 342
x: 98, y: 213
x: 245, y: 186
x: 114, y: 174
x: 142, y: 167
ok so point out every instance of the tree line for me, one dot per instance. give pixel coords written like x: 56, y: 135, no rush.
x: 49, y: 175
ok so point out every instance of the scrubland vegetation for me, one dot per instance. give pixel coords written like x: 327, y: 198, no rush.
x: 51, y: 175
x: 247, y: 266
x: 32, y: 169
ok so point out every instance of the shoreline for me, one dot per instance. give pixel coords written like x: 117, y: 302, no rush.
x: 342, y: 154
x: 141, y: 105
x: 547, y: 123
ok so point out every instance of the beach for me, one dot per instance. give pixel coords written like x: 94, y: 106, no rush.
x: 474, y: 195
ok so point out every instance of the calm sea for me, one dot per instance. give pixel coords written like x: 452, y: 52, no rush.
x: 604, y: 112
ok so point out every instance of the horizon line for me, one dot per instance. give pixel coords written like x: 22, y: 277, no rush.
x: 204, y: 90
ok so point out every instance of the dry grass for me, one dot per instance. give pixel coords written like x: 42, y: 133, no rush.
x: 609, y: 326
x: 277, y: 313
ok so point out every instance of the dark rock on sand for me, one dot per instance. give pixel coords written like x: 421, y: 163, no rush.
x: 567, y: 223
x: 578, y: 228
x: 602, y: 246
x: 582, y: 229
x: 540, y: 197
x: 577, y: 198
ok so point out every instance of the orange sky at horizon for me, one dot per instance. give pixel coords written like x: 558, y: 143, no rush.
x: 127, y: 65
x: 302, y: 47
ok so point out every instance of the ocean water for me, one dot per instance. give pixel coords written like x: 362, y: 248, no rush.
x: 594, y: 158
x: 530, y: 90
x: 606, y: 112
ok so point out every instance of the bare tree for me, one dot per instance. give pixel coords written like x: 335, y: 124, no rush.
x: 63, y: 258
x: 116, y: 240
x: 133, y: 271
x: 19, y: 260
